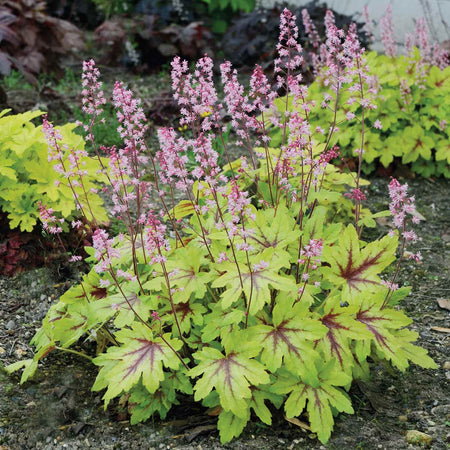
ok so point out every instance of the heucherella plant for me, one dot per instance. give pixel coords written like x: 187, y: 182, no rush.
x: 407, y: 121
x: 256, y: 290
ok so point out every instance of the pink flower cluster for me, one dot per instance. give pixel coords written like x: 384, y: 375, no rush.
x: 310, y: 29
x: 312, y: 250
x: 155, y: 240
x: 310, y: 255
x: 356, y: 194
x: 172, y: 159
x: 289, y: 50
x: 49, y: 221
x: 238, y: 207
x: 104, y: 250
x: 402, y: 206
x: 70, y: 164
x: 132, y: 121
x: 196, y: 94
x: 430, y: 53
x: 92, y: 93
x: 387, y: 33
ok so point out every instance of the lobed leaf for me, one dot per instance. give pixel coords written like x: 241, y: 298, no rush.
x: 140, y: 358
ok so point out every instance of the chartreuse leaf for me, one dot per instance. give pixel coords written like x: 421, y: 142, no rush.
x: 230, y: 375
x: 314, y: 227
x: 88, y: 289
x: 392, y: 341
x: 273, y: 230
x: 320, y: 399
x: 416, y: 143
x: 188, y: 313
x: 260, y: 395
x: 142, y: 403
x: 5, y: 168
x: 185, y: 274
x: 140, y: 357
x: 182, y: 209
x: 230, y: 425
x: 24, y: 213
x: 443, y: 150
x: 356, y: 269
x: 43, y: 345
x: 24, y: 163
x: 368, y: 220
x: 342, y: 327
x: 411, y: 118
x: 127, y: 304
x: 65, y: 323
x: 220, y: 322
x: 398, y: 295
x: 30, y: 366
x: 290, y: 339
x: 255, y: 282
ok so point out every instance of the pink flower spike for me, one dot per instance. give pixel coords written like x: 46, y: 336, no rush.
x: 289, y: 50
x: 387, y: 33
x: 310, y: 29
x: 92, y: 93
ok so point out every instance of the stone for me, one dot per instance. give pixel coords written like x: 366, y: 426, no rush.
x: 418, y: 438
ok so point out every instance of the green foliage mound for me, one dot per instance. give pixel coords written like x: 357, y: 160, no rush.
x: 240, y: 346
x: 414, y: 116
x: 27, y: 177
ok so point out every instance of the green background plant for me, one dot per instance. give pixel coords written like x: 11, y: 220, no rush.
x: 411, y: 133
x: 26, y: 175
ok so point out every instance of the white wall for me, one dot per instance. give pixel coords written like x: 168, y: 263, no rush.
x: 436, y: 12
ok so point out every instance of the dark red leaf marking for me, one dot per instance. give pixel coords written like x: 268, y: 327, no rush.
x: 332, y: 324
x: 98, y: 292
x: 50, y: 349
x: 75, y: 327
x: 368, y: 321
x: 317, y: 402
x: 59, y: 317
x: 147, y: 351
x: 225, y: 364
x: 183, y: 310
x: 353, y: 273
x: 279, y: 334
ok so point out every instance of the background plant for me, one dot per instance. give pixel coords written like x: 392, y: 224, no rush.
x: 27, y: 177
x: 408, y: 122
x: 31, y: 40
x: 254, y: 291
x: 252, y: 37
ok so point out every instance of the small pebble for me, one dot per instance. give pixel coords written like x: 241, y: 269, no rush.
x: 11, y: 325
x: 418, y: 438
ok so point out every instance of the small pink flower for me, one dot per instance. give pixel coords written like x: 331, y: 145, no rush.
x: 377, y: 124
x: 356, y: 194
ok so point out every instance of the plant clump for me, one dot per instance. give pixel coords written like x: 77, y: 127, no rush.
x: 407, y: 121
x: 256, y: 291
x: 33, y: 41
